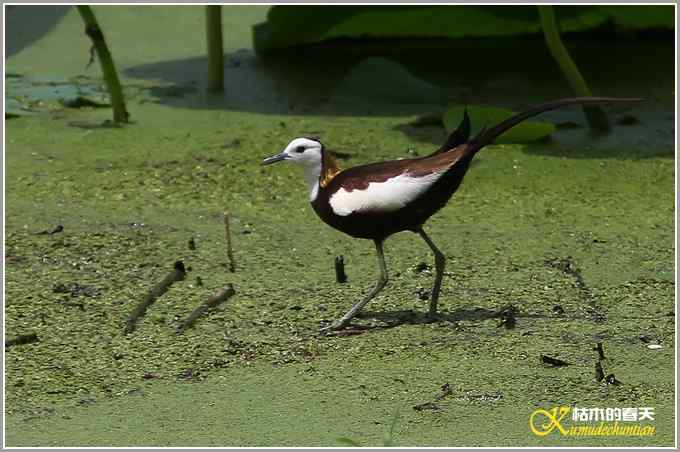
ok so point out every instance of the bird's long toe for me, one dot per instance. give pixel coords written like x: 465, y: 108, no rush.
x: 335, y: 326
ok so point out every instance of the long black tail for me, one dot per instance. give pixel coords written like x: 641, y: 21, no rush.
x: 486, y: 137
x: 459, y: 136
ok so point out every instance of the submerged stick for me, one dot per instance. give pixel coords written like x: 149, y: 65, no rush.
x: 22, y: 339
x: 596, y: 117
x: 120, y: 114
x: 340, y: 275
x: 177, y: 274
x: 217, y: 299
x: 599, y: 371
x: 227, y: 234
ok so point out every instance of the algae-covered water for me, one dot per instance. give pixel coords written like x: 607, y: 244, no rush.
x: 575, y: 233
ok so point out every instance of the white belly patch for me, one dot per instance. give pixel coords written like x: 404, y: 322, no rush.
x: 388, y: 196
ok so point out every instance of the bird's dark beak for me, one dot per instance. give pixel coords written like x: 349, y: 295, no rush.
x: 275, y: 158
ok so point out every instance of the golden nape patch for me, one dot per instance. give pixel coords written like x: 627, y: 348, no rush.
x: 329, y: 169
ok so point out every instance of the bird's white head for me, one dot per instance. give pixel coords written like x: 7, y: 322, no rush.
x: 303, y: 151
x: 308, y: 153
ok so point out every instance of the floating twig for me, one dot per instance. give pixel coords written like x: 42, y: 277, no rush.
x: 22, y: 339
x: 177, y: 274
x: 227, y: 235
x: 57, y: 229
x: 340, y: 275
x: 218, y: 298
x: 427, y: 406
x: 555, y: 362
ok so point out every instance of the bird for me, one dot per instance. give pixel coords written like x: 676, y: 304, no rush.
x: 377, y: 200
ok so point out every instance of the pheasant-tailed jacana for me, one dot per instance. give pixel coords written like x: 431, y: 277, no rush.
x: 377, y: 200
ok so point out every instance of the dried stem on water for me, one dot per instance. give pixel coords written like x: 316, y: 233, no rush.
x: 178, y: 273
x: 22, y: 339
x: 230, y: 252
x: 217, y: 299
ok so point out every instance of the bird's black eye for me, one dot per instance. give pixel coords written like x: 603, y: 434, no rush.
x: 300, y: 149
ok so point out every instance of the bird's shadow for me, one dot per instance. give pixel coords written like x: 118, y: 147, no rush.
x: 393, y: 319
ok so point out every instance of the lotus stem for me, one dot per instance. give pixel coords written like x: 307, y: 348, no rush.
x: 213, y: 27
x: 596, y: 117
x: 120, y: 114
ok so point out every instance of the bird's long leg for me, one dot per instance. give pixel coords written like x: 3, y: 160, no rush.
x: 439, y: 264
x: 382, y: 280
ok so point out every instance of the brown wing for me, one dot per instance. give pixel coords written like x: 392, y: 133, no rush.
x: 358, y: 177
